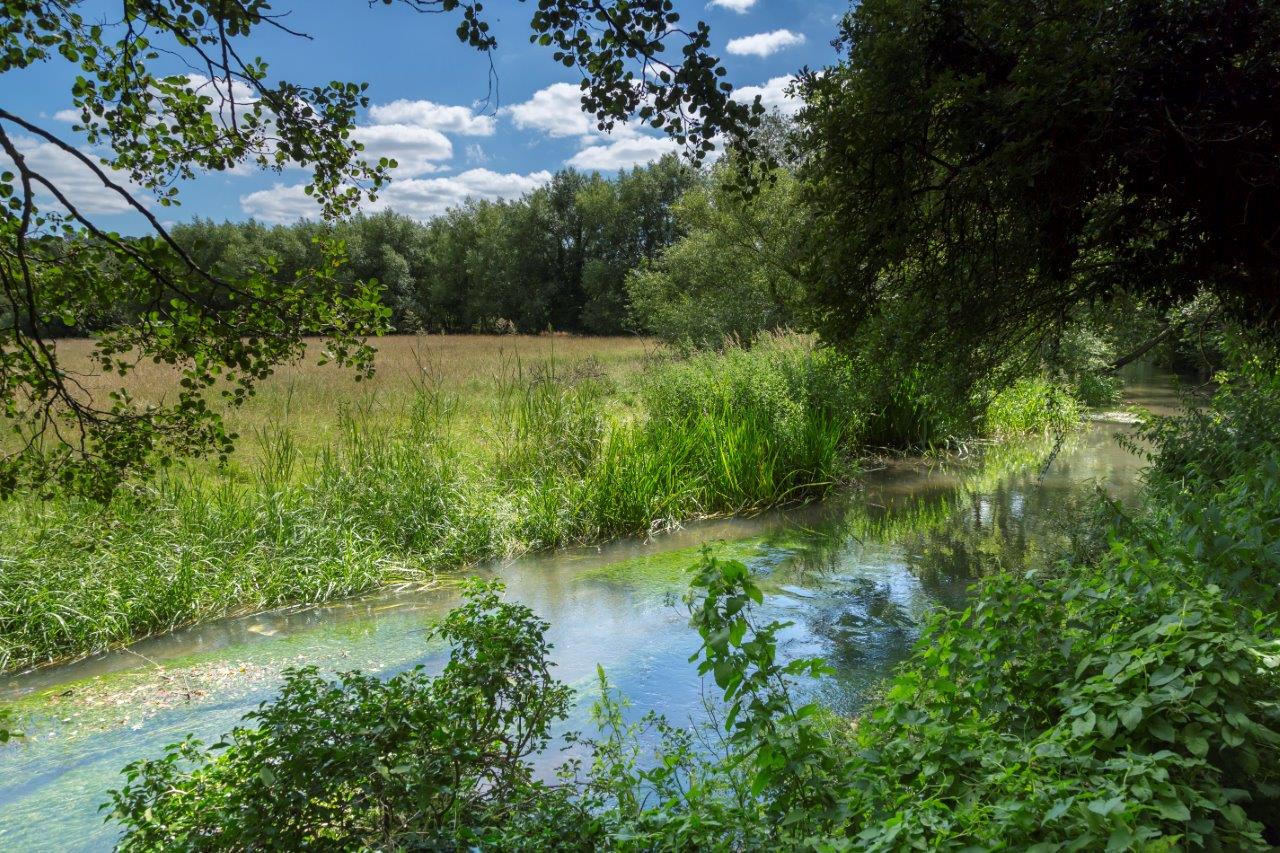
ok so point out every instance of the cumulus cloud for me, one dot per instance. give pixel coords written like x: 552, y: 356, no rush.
x: 421, y: 198
x: 72, y: 177
x: 427, y: 197
x: 555, y: 110
x: 279, y: 204
x: 417, y: 150
x: 428, y: 114
x: 764, y: 44
x: 773, y: 94
x: 739, y: 6
x: 622, y: 153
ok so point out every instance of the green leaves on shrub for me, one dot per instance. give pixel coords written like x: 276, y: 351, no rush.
x: 413, y: 760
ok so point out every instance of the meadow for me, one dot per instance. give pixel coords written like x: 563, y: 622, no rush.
x: 460, y: 450
x: 310, y: 400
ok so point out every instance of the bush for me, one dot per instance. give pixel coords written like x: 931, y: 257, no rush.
x: 1030, y: 406
x: 413, y: 761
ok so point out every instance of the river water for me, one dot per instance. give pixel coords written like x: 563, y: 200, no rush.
x: 855, y: 575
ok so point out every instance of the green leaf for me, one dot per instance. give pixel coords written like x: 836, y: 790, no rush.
x: 1110, y: 806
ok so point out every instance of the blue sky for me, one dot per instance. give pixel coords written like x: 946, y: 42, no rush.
x: 426, y: 90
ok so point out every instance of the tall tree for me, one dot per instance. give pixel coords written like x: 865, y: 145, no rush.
x: 981, y: 166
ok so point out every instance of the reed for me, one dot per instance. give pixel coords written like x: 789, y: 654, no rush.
x: 547, y: 452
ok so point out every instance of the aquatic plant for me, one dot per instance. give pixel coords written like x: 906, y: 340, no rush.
x: 1123, y: 699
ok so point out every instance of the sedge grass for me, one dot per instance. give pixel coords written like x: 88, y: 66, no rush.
x: 438, y: 475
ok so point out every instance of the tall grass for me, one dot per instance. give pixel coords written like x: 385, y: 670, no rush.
x: 1032, y: 406
x: 560, y: 453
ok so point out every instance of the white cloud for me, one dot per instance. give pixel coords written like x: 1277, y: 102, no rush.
x: 621, y: 153
x: 415, y: 149
x: 739, y: 6
x: 72, y: 177
x: 67, y: 115
x: 476, y: 154
x: 428, y: 114
x: 427, y: 197
x: 421, y: 198
x: 773, y: 94
x: 555, y: 110
x: 279, y: 204
x: 764, y: 44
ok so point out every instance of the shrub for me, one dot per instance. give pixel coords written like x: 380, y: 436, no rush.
x: 1032, y: 405
x: 412, y: 761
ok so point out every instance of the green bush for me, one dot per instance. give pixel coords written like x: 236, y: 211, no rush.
x: 412, y: 761
x: 1030, y: 406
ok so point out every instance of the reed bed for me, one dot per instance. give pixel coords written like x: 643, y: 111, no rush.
x: 453, y: 468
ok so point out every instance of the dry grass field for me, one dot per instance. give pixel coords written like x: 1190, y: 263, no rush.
x: 308, y: 400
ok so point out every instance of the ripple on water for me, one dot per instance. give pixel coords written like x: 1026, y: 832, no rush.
x: 854, y: 576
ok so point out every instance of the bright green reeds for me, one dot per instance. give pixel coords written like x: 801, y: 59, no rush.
x: 554, y: 458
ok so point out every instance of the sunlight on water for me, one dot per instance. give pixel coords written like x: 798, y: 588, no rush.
x: 855, y: 575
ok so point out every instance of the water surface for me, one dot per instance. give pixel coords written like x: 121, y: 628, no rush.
x: 855, y: 574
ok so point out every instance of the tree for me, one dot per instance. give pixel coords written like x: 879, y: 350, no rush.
x: 981, y: 167
x: 738, y: 270
x: 136, y: 94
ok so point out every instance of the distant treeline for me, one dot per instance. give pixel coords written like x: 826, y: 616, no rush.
x: 558, y: 258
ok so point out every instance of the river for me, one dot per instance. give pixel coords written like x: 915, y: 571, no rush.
x: 855, y: 575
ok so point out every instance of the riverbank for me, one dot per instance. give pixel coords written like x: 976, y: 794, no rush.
x: 856, y: 573
x: 548, y: 453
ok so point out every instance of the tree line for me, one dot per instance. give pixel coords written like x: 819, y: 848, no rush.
x: 556, y: 259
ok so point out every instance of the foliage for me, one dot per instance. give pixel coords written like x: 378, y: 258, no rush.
x: 738, y: 271
x: 1032, y: 406
x: 416, y: 760
x: 554, y: 259
x: 984, y: 168
x: 59, y: 267
x: 148, y: 298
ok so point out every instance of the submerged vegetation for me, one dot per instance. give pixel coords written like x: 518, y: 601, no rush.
x: 1119, y: 697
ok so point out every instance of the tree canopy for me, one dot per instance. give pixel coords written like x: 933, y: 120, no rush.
x: 980, y: 167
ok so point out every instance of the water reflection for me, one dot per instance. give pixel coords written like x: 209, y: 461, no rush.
x: 855, y: 575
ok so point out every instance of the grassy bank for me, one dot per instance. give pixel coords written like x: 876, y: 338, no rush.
x: 493, y: 452
x: 1122, y: 697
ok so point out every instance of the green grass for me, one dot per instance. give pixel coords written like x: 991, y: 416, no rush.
x: 547, y: 454
x: 1032, y: 406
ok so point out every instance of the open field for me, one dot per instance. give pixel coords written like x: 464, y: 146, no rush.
x: 309, y: 400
